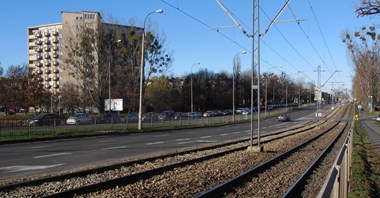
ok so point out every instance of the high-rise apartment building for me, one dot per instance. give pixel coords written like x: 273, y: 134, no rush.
x: 45, y: 46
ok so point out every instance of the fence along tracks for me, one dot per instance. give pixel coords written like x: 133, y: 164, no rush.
x: 115, y: 176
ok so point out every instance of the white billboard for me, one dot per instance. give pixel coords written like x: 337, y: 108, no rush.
x: 116, y: 105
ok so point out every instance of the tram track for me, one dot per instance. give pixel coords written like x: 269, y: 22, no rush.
x: 153, y: 167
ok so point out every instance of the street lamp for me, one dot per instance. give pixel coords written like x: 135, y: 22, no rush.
x: 191, y: 86
x: 142, y: 67
x: 233, y: 83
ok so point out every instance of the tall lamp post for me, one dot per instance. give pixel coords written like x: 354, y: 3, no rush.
x: 142, y: 67
x: 233, y: 83
x: 191, y: 87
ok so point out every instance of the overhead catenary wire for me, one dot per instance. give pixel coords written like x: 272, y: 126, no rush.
x: 323, y: 37
x: 204, y: 24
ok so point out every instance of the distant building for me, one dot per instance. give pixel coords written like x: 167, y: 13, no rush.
x: 45, y: 46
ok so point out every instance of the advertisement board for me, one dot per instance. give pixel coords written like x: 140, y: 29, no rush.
x: 116, y: 105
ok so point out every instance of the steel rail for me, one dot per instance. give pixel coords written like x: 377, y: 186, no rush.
x: 228, y: 186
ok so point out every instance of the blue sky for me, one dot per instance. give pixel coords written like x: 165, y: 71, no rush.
x: 185, y: 23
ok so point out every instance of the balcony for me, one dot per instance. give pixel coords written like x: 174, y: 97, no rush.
x: 55, y: 48
x: 38, y: 71
x: 37, y: 49
x: 39, y: 64
x: 55, y: 33
x: 46, y: 34
x: 55, y: 55
x: 39, y: 57
x: 47, y: 86
x: 47, y: 71
x: 55, y: 78
x: 38, y: 42
x: 47, y: 78
x: 38, y: 35
x: 47, y: 56
x: 47, y: 49
x: 39, y: 79
x: 55, y: 63
x: 55, y: 40
x: 55, y: 70
x: 47, y: 41
x: 47, y: 63
x: 56, y: 85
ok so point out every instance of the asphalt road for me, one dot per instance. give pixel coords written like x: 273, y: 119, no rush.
x: 26, y: 159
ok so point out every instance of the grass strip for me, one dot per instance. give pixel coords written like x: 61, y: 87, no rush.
x: 363, y: 180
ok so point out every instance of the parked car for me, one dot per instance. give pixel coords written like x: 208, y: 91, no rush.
x: 45, y: 119
x: 79, y: 118
x: 284, y: 118
x: 377, y: 118
x: 166, y: 115
x: 108, y: 118
x: 149, y: 117
x: 133, y: 117
x: 180, y: 115
x: 209, y: 114
x: 194, y: 115
x: 227, y: 112
x: 11, y: 112
x: 246, y: 111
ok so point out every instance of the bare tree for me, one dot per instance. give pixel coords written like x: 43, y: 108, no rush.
x: 364, y: 49
x: 368, y: 7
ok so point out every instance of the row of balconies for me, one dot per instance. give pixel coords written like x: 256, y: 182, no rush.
x: 47, y: 63
x: 48, y: 71
x: 46, y: 41
x: 46, y: 34
x: 47, y: 56
x: 55, y: 85
x: 46, y: 49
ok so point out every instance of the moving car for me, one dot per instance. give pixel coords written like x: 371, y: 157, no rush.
x: 79, y: 118
x: 284, y: 118
x: 45, y: 119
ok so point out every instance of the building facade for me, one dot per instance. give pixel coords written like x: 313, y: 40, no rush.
x: 46, y: 46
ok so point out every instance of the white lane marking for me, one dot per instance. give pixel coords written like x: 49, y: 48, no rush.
x: 166, y: 135
x: 185, y: 139
x: 204, y: 137
x: 26, y: 168
x: 37, y: 147
x: 223, y: 134
x: 51, y: 155
x: 106, y: 141
x: 198, y: 141
x: 113, y: 148
x: 153, y: 143
x: 235, y: 132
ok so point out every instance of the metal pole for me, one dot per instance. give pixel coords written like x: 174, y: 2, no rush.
x: 142, y: 69
x: 258, y: 78
x: 233, y: 82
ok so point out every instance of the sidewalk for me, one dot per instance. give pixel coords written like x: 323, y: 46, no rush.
x: 372, y: 128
